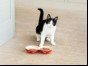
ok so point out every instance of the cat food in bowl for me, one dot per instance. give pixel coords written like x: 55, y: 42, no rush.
x: 46, y: 50
x: 31, y: 49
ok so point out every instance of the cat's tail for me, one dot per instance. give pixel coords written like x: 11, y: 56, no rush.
x: 41, y: 15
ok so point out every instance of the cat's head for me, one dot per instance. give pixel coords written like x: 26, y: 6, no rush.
x: 51, y: 21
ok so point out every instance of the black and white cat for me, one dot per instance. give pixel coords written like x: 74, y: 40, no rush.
x: 45, y: 29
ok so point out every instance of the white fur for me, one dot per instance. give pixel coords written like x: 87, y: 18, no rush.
x: 47, y: 33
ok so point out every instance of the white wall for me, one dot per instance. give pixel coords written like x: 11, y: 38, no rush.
x: 7, y: 24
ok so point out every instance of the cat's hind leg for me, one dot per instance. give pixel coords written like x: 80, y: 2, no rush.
x: 38, y: 37
x: 48, y: 38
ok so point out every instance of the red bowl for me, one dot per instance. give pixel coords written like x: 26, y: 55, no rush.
x: 35, y: 49
x: 46, y: 50
x: 31, y: 49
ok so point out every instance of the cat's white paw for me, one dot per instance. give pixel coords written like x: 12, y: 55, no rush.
x: 53, y: 43
x: 40, y: 47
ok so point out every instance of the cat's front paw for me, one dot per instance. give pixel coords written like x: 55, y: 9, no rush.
x: 53, y: 43
x: 40, y: 47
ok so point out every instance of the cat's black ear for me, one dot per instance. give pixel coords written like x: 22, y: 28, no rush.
x: 48, y: 16
x: 56, y: 18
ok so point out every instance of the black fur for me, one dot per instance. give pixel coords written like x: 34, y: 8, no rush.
x: 41, y: 15
x: 41, y: 23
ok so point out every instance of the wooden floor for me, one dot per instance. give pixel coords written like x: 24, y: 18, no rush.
x: 70, y: 37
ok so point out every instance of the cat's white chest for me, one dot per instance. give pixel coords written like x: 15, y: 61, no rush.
x: 48, y: 30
